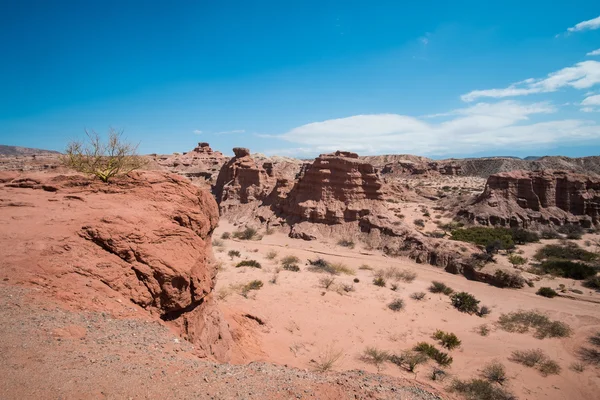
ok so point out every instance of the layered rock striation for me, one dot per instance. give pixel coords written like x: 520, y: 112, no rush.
x: 201, y: 165
x: 526, y: 198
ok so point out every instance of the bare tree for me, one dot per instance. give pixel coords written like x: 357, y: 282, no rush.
x: 103, y: 160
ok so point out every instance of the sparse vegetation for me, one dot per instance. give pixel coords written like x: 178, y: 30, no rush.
x: 349, y: 243
x: 418, y: 296
x: 573, y: 232
x: 523, y: 321
x: 271, y: 255
x: 217, y: 243
x: 516, y: 260
x: 234, y: 253
x: 593, y: 282
x: 432, y: 352
x: 440, y: 287
x: 505, y: 279
x: 397, y: 274
x: 373, y: 355
x: 465, y: 302
x: 103, y: 160
x: 536, y: 359
x: 483, y: 330
x: 495, y: 372
x: 483, y: 311
x: 577, y: 367
x: 409, y: 360
x: 479, y: 389
x: 225, y: 235
x: 327, y: 359
x: 567, y: 269
x: 568, y: 251
x: 379, y: 281
x: 247, y: 234
x: 365, y: 267
x: 546, y: 292
x: 396, y: 305
x: 448, y: 340
x: 326, y: 282
x: 419, y: 222
x: 252, y: 285
x: 290, y: 263
x: 248, y: 263
x: 482, y: 236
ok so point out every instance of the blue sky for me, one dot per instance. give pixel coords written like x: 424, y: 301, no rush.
x: 298, y: 78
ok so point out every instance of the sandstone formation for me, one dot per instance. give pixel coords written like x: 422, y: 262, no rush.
x: 242, y: 181
x: 199, y: 165
x: 525, y: 198
x: 145, y: 239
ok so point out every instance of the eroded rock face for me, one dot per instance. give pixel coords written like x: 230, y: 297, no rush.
x: 335, y: 188
x: 242, y: 180
x: 145, y: 238
x: 524, y: 198
x: 201, y: 165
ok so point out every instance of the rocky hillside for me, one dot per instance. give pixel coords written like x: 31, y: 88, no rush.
x: 526, y: 198
x: 13, y: 151
x: 143, y: 240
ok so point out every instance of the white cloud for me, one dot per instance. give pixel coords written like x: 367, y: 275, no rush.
x: 197, y: 131
x: 481, y: 127
x: 594, y: 53
x: 591, y: 101
x: 589, y: 109
x: 586, y: 25
x: 582, y: 75
x: 229, y: 132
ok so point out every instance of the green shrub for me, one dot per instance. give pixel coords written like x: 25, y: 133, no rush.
x: 546, y: 292
x: 568, y: 269
x: 536, y: 359
x: 516, y: 260
x: 465, y: 302
x: 396, y: 305
x: 346, y: 243
x: 248, y: 263
x: 379, y: 281
x: 522, y: 236
x: 234, y: 253
x: 505, y: 279
x: 252, y: 285
x: 479, y: 389
x: 291, y: 267
x: 483, y: 236
x: 432, y: 352
x: 225, y: 235
x: 440, y: 287
x: 523, y: 321
x: 593, y: 282
x: 495, y: 372
x: 408, y: 360
x: 373, y: 355
x: 448, y: 340
x: 568, y: 251
x: 418, y: 296
x: 246, y: 234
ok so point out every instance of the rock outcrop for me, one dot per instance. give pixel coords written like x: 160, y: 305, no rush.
x: 335, y: 188
x: 201, y: 165
x: 242, y: 181
x: 142, y: 240
x: 525, y: 198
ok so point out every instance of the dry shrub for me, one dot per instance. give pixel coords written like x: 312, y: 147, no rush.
x: 440, y: 287
x: 418, y: 296
x: 408, y: 359
x: 396, y: 305
x: 326, y: 282
x: 327, y: 359
x: 522, y: 321
x: 495, y: 372
x: 271, y: 255
x: 479, y: 389
x: 536, y: 358
x: 373, y: 355
x: 397, y: 274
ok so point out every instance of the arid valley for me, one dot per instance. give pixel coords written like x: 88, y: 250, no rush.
x: 383, y: 277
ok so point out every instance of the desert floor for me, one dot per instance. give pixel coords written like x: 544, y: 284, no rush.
x: 302, y: 321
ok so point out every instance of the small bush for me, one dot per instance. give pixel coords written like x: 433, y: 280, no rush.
x: 573, y: 232
x: 394, y: 287
x: 437, y: 374
x: 568, y: 269
x: 465, y: 302
x: 397, y: 274
x: 291, y: 267
x: 418, y: 296
x: 549, y: 233
x: 516, y: 260
x: 495, y: 372
x: 327, y: 360
x: 252, y: 285
x: 271, y: 255
x: 546, y: 292
x: 483, y: 330
x: 569, y: 251
x: 289, y: 263
x: 595, y: 339
x: 217, y: 243
x: 440, y: 287
x: 396, y: 305
x: 366, y: 267
x: 379, y: 281
x: 249, y: 263
x: 409, y: 360
x: 549, y: 367
x: 326, y: 282
x: 246, y: 234
x: 234, y: 253
x: 577, y: 367
x: 590, y: 355
x: 321, y: 265
x: 529, y: 358
x: 523, y: 321
x: 346, y: 243
x: 432, y: 352
x: 505, y: 279
x: 419, y: 223
x: 447, y: 340
x: 373, y: 355
x: 341, y: 268
x: 593, y: 282
x: 479, y: 389
x: 483, y: 311
x: 225, y: 235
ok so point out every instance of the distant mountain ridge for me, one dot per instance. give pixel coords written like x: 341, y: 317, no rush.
x: 23, y: 151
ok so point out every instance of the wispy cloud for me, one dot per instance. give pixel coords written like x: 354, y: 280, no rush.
x: 590, y: 24
x: 594, y: 53
x: 481, y: 127
x: 197, y: 131
x: 582, y: 75
x: 230, y: 132
x: 591, y: 103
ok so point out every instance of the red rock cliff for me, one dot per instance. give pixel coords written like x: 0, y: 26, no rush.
x: 523, y: 198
